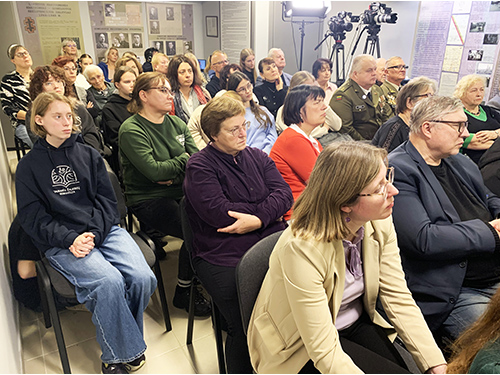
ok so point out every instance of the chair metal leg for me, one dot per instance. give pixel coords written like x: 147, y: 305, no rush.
x: 56, y: 323
x: 218, y: 339
x: 163, y: 298
x: 43, y: 284
x: 189, y: 337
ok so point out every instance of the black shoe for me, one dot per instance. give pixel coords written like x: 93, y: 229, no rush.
x: 136, y: 364
x: 202, y: 306
x: 114, y: 368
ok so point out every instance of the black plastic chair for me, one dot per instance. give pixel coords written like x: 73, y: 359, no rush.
x: 20, y: 147
x: 50, y: 281
x: 250, y: 273
x: 216, y: 317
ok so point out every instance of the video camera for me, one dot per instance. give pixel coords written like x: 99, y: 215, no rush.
x: 377, y: 13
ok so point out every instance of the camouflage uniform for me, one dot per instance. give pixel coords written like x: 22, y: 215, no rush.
x: 390, y: 94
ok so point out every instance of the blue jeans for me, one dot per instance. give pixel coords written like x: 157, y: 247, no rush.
x: 115, y: 283
x: 21, y: 132
x: 471, y: 304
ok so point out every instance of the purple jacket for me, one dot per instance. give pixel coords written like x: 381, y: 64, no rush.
x: 216, y: 183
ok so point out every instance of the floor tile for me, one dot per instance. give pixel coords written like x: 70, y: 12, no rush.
x: 203, y: 355
x: 84, y: 358
x: 157, y: 339
x: 31, y: 340
x: 34, y: 366
x: 173, y: 362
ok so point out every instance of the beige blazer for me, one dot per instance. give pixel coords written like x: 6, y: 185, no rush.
x: 294, y: 315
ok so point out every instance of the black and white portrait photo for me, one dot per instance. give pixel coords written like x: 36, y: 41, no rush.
x: 475, y: 55
x: 170, y: 13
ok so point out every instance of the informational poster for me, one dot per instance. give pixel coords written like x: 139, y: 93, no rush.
x: 170, y: 27
x: 471, y: 47
x: 117, y: 25
x: 45, y: 25
x: 235, y: 25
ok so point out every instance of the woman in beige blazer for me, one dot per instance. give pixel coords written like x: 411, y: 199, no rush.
x: 316, y: 308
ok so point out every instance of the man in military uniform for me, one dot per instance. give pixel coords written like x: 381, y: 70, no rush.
x: 359, y: 102
x: 395, y: 71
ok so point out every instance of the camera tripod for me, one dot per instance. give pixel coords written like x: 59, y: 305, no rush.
x: 337, y: 49
x: 372, y: 40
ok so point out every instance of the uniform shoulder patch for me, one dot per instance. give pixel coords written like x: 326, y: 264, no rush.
x: 338, y: 97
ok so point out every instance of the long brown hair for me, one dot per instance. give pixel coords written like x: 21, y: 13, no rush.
x: 484, y: 331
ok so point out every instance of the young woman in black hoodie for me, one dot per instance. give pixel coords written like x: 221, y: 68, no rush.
x: 67, y: 206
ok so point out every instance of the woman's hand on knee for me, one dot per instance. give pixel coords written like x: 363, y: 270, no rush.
x: 244, y: 223
x: 82, y: 245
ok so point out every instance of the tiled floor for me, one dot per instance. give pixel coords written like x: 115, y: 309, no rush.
x: 166, y: 353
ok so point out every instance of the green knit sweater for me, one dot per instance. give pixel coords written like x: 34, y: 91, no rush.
x: 152, y: 153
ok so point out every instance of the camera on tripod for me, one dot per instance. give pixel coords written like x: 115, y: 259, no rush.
x: 341, y: 23
x: 378, y: 13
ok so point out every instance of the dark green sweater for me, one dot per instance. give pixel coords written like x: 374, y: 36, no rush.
x: 152, y: 153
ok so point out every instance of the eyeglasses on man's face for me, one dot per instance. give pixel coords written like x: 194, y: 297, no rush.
x: 459, y: 125
x: 399, y: 67
x: 384, y: 190
x: 221, y: 62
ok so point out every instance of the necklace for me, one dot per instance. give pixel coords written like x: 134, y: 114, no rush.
x: 476, y: 113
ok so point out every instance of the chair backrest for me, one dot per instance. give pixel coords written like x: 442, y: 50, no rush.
x: 250, y: 273
x: 120, y: 199
x: 187, y: 231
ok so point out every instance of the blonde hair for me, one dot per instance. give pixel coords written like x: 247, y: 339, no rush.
x: 465, y: 83
x: 122, y: 61
x: 243, y: 56
x: 42, y: 104
x: 299, y: 78
x: 156, y: 58
x: 348, y: 167
x: 105, y: 59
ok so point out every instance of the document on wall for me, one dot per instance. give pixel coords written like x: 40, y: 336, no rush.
x: 447, y: 83
x: 452, y: 58
x: 458, y: 29
x: 45, y: 25
x: 235, y: 29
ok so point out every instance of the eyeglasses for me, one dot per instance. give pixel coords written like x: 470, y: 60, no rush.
x: 22, y: 54
x: 67, y: 68
x: 221, y: 62
x: 53, y: 83
x: 162, y: 89
x: 71, y: 45
x: 235, y: 132
x: 389, y: 179
x: 462, y: 125
x: 429, y: 94
x: 399, y: 67
x: 248, y: 87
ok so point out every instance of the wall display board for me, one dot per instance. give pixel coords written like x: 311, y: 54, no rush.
x: 454, y: 39
x: 46, y: 24
x: 170, y: 27
x: 235, y: 30
x: 117, y: 25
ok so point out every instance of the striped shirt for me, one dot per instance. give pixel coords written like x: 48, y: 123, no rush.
x: 14, y: 96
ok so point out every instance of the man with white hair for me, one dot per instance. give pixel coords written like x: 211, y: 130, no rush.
x: 446, y: 220
x: 359, y: 101
x: 395, y: 73
x: 380, y: 70
x: 279, y: 60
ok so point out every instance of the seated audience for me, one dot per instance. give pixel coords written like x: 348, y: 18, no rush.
x: 224, y: 76
x: 445, y: 219
x: 108, y: 64
x: 69, y: 49
x: 196, y: 64
x: 160, y: 63
x: 234, y: 197
x: 14, y: 93
x: 489, y: 164
x: 271, y: 93
x: 186, y: 87
x: 477, y: 350
x: 218, y: 60
x: 67, y: 205
x: 154, y: 149
x: 71, y: 71
x: 327, y: 132
x: 247, y: 64
x: 99, y: 92
x: 260, y: 128
x: 295, y: 151
x: 395, y: 130
x: 277, y: 55
x: 484, y: 121
x: 131, y: 62
x: 358, y: 101
x: 115, y: 111
x: 395, y: 73
x: 322, y: 72
x: 148, y: 56
x: 381, y: 76
x: 315, y: 312
x: 49, y: 78
x: 84, y: 61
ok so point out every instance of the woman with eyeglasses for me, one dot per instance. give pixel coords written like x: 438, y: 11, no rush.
x: 14, y: 94
x: 51, y: 78
x: 322, y: 72
x: 261, y: 131
x: 235, y: 196
x: 396, y: 130
x: 154, y: 150
x: 69, y: 49
x: 186, y: 86
x: 315, y: 312
x: 71, y: 70
x: 484, y: 121
x: 295, y: 151
x: 108, y: 63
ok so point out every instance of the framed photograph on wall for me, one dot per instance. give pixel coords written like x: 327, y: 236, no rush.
x: 212, y: 24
